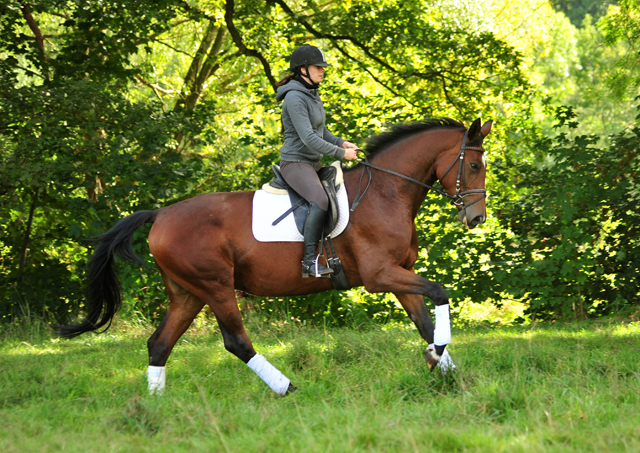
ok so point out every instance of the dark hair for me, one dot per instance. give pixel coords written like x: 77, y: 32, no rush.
x: 288, y: 78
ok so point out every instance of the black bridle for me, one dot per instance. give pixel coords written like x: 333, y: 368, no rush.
x: 457, y: 199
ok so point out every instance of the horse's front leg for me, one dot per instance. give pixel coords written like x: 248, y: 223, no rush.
x: 415, y: 307
x: 409, y: 289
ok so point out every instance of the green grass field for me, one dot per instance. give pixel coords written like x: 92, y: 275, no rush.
x: 566, y: 387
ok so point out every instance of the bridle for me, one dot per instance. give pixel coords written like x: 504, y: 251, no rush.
x: 457, y: 199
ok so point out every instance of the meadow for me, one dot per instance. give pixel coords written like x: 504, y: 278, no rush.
x: 540, y: 387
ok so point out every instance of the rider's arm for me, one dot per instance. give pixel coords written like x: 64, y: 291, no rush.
x: 328, y: 136
x: 299, y: 116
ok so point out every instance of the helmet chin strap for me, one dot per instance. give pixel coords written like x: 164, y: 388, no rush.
x: 311, y: 83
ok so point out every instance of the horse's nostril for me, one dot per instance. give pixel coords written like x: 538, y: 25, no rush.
x: 478, y: 220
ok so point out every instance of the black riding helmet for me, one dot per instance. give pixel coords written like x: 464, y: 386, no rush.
x: 307, y: 55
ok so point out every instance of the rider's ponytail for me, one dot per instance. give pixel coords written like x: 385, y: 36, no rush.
x: 288, y: 78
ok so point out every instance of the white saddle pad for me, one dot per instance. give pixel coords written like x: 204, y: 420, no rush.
x: 267, y: 207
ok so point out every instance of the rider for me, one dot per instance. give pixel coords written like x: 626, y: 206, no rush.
x: 306, y: 141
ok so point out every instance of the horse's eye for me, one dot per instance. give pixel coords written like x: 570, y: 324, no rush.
x: 474, y: 166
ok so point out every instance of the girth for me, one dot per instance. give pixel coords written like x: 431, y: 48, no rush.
x: 300, y: 206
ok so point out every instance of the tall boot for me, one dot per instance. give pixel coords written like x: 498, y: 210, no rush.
x: 312, y: 234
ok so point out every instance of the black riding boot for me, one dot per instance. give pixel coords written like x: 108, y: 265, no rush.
x: 312, y: 234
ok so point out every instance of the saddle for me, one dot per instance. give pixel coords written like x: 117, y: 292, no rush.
x: 300, y: 206
x: 331, y: 179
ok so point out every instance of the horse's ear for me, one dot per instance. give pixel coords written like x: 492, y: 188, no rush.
x: 474, y: 130
x: 486, y: 128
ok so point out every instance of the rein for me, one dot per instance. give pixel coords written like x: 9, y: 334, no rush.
x: 457, y: 199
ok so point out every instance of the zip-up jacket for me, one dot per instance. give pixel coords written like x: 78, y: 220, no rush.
x: 306, y: 138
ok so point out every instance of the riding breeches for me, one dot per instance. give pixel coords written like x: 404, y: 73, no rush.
x: 303, y: 179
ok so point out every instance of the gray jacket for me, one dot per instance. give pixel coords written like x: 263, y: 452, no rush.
x: 306, y: 138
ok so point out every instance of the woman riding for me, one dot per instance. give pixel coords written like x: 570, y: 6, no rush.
x: 306, y: 141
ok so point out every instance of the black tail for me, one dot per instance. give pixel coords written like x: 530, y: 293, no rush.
x: 103, y: 287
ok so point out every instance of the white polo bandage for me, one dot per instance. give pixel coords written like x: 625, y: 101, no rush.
x: 442, y: 334
x: 446, y: 363
x: 156, y: 378
x: 277, y: 381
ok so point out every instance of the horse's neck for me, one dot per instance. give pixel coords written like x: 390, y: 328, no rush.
x: 415, y: 157
x: 411, y: 157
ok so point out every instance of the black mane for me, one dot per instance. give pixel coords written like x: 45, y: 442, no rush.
x: 377, y: 143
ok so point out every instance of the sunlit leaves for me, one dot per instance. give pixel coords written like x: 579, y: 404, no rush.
x: 622, y: 25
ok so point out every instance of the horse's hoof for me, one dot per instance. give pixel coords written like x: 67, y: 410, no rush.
x: 431, y: 357
x: 291, y: 389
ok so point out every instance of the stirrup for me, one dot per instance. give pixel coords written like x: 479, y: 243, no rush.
x: 315, y: 269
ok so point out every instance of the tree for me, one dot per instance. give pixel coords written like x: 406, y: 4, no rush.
x: 106, y: 111
x: 577, y: 10
x: 622, y: 25
x: 75, y: 152
x: 576, y: 241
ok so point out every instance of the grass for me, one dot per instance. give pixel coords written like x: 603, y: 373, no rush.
x: 537, y: 388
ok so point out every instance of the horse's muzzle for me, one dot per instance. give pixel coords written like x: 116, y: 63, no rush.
x: 470, y: 223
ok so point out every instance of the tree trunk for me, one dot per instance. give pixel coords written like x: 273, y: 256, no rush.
x: 201, y: 68
x: 26, y: 13
x: 27, y: 236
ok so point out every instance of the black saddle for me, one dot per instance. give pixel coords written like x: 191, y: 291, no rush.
x: 300, y: 206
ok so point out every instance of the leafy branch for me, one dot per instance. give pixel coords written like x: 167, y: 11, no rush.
x: 237, y: 39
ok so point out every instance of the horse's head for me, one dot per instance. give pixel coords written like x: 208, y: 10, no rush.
x: 462, y: 172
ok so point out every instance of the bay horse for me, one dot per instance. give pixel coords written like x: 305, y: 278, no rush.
x: 205, y: 250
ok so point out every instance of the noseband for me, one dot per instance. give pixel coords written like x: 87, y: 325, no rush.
x: 457, y: 199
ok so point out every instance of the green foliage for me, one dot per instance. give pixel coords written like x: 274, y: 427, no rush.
x: 577, y: 10
x: 83, y: 156
x: 564, y: 240
x: 579, y: 69
x: 76, y: 153
x: 94, y: 39
x: 574, y: 225
x: 354, y: 308
x: 622, y: 25
x: 105, y: 111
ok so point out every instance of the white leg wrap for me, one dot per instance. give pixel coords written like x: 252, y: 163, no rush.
x: 157, y: 378
x: 446, y: 364
x: 442, y: 334
x: 278, y: 382
x: 444, y: 361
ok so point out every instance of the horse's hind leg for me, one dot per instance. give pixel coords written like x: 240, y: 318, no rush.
x: 225, y: 307
x: 183, y: 309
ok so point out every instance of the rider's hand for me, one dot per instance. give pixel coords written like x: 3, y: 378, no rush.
x: 349, y: 145
x: 351, y: 153
x: 350, y: 150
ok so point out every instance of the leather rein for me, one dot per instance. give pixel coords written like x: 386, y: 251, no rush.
x: 457, y: 199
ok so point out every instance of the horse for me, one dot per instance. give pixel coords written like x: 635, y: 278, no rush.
x: 205, y: 250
